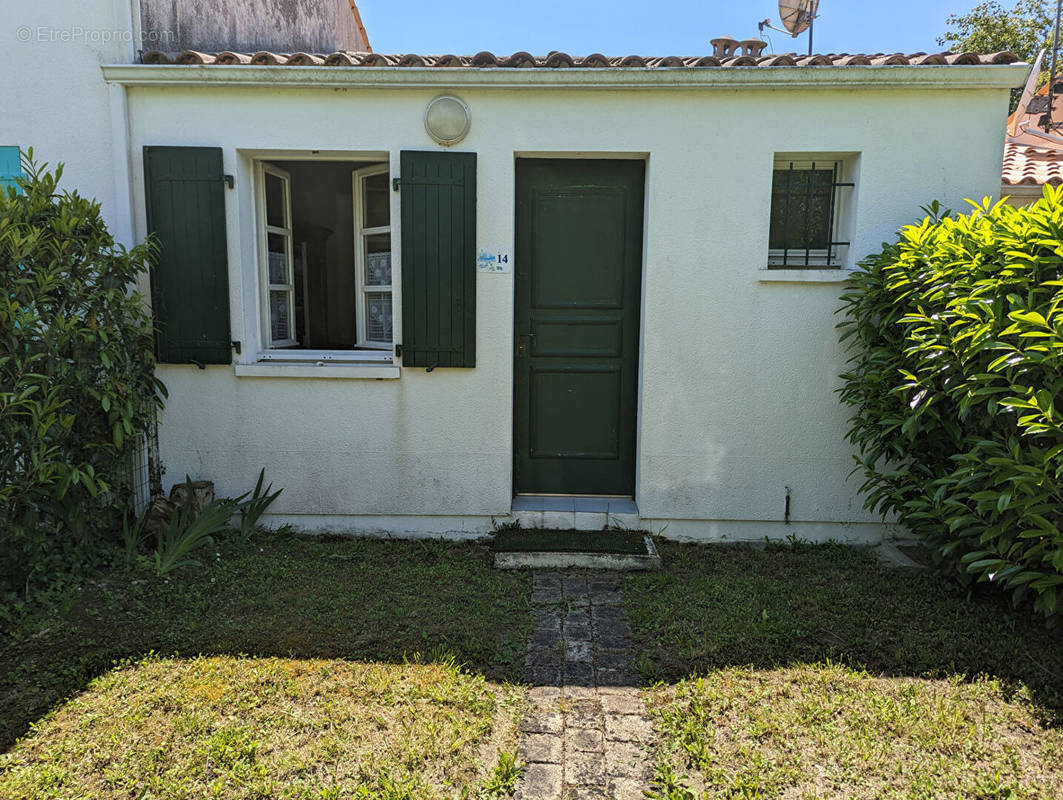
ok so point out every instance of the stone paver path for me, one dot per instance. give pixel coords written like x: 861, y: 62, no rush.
x: 587, y: 734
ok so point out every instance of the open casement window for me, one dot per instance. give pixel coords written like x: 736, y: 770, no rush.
x: 325, y: 267
x: 372, y: 255
x: 805, y: 208
x: 328, y: 280
x: 277, y: 245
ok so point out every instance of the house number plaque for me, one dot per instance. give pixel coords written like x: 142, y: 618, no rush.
x: 493, y: 261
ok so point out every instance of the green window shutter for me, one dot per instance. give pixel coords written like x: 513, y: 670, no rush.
x: 438, y: 259
x: 10, y: 167
x: 189, y: 282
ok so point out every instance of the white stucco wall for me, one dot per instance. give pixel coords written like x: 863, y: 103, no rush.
x: 54, y: 99
x: 737, y: 375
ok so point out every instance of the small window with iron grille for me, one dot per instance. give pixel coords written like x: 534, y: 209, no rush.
x: 807, y: 199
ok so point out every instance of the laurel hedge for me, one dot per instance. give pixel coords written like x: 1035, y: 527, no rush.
x: 956, y: 367
x: 77, y: 379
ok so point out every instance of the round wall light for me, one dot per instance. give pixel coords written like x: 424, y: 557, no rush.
x: 447, y: 119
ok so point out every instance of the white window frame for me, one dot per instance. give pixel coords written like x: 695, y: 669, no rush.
x: 325, y: 356
x: 305, y: 280
x: 817, y: 258
x: 361, y: 233
x: 269, y: 352
x: 265, y: 230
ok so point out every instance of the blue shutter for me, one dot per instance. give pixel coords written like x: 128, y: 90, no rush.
x: 10, y: 167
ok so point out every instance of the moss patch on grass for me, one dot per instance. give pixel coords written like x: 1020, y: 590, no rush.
x: 803, y: 671
x: 725, y: 605
x: 238, y: 727
x: 282, y: 596
x: 827, y: 731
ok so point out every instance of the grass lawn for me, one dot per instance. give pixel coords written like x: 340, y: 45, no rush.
x: 815, y: 672
x: 286, y: 668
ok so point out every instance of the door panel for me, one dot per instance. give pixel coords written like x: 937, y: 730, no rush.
x: 564, y: 424
x: 578, y: 278
x: 579, y: 336
x: 578, y: 244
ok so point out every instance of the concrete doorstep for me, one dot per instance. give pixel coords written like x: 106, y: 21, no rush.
x: 581, y: 560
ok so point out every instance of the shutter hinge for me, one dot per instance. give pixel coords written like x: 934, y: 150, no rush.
x: 230, y: 181
x: 398, y: 351
x: 395, y: 184
x: 236, y: 347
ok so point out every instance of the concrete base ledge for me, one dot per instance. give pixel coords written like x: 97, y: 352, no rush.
x: 482, y: 526
x: 613, y: 561
x: 890, y: 553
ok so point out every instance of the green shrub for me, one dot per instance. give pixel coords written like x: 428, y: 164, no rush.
x: 187, y: 530
x: 957, y: 364
x: 252, y: 505
x: 77, y: 383
x: 183, y: 533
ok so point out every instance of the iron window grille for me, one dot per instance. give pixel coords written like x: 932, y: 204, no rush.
x: 804, y: 215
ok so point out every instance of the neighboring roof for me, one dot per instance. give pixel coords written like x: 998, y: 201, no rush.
x: 361, y: 28
x: 1033, y: 148
x: 251, y: 25
x: 557, y: 60
x: 1029, y: 165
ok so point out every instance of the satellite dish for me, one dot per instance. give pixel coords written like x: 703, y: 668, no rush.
x: 797, y: 15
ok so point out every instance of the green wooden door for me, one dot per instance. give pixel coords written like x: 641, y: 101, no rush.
x: 578, y: 283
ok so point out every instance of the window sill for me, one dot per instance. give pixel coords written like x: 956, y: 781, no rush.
x: 810, y: 275
x: 334, y: 371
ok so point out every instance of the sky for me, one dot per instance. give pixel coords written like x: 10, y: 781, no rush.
x: 662, y: 27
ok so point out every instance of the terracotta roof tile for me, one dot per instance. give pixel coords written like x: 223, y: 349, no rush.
x: 1002, y: 57
x: 776, y: 61
x: 264, y: 58
x: 520, y: 60
x: 306, y: 60
x: 232, y: 58
x: 194, y: 57
x: 343, y: 60
x: 743, y: 56
x: 1025, y: 164
x: 853, y: 61
x: 594, y: 60
x: 893, y: 60
x: 1033, y: 145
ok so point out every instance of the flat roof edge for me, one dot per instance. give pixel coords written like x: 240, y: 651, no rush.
x: 991, y: 76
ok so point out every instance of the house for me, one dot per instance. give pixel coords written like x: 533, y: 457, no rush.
x: 295, y: 25
x: 1033, y: 145
x: 432, y: 293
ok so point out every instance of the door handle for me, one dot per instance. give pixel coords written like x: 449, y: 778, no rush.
x: 524, y: 344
